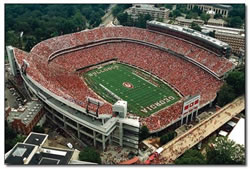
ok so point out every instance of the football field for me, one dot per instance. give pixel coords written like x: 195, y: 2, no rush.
x: 144, y: 93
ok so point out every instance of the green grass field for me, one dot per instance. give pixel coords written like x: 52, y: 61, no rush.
x: 144, y: 93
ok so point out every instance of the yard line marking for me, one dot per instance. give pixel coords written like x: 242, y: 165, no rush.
x: 144, y: 79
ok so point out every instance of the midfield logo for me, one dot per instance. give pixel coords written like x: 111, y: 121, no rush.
x: 127, y: 85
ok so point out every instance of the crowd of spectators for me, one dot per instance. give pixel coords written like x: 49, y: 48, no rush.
x: 60, y: 78
x: 218, y: 65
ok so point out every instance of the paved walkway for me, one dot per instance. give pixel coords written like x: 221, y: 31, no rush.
x: 179, y: 145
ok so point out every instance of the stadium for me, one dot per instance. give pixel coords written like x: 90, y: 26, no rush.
x: 105, y: 83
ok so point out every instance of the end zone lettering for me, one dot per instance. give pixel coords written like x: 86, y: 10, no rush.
x: 157, y: 104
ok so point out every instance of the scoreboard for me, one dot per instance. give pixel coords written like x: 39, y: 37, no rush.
x: 190, y: 106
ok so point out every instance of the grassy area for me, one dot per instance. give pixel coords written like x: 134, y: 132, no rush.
x: 144, y: 93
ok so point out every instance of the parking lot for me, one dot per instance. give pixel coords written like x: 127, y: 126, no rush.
x: 13, y: 97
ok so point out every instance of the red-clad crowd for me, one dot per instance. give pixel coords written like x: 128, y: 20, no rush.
x: 59, y: 76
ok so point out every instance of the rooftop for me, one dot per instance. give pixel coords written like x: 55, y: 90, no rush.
x: 148, y: 7
x: 20, y: 153
x: 33, y: 108
x: 32, y: 152
x: 35, y: 138
x: 182, y: 19
x: 191, y: 32
x: 49, y: 156
x: 222, y: 6
x: 25, y: 113
x: 219, y: 21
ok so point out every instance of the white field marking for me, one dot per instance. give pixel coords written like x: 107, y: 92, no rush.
x: 144, y: 79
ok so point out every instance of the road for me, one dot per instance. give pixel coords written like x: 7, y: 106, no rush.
x: 108, y: 17
x: 179, y: 145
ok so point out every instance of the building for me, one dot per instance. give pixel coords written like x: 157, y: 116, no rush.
x: 238, y: 133
x: 217, y: 8
x: 87, y: 126
x: 187, y: 22
x: 26, y: 117
x: 216, y: 22
x: 89, y: 118
x: 234, y: 37
x: 35, y: 151
x: 155, y: 13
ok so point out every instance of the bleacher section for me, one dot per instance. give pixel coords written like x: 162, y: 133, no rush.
x: 59, y: 77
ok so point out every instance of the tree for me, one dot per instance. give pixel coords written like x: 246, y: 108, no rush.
x: 144, y: 133
x: 90, y: 154
x: 225, y: 151
x: 238, y: 10
x: 11, y: 137
x: 167, y: 137
x: 182, y: 8
x: 191, y: 15
x: 235, y: 22
x: 197, y: 10
x: 30, y: 42
x: 236, y: 79
x: 195, y: 26
x: 205, y: 17
x: 164, y: 139
x: 169, y: 6
x: 225, y: 95
x: 212, y: 34
x: 217, y: 16
x: 38, y: 129
x: 57, y: 19
x: 122, y: 18
x: 116, y: 10
x: 175, y: 13
x: 12, y: 38
x: 191, y: 157
x: 79, y: 21
x: 9, y: 132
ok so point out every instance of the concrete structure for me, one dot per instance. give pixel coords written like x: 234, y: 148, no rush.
x: 217, y: 8
x: 216, y: 22
x: 187, y: 22
x: 26, y: 117
x: 85, y: 125
x: 33, y: 151
x: 234, y: 37
x: 219, y: 47
x: 12, y: 62
x: 137, y: 9
x: 176, y: 147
